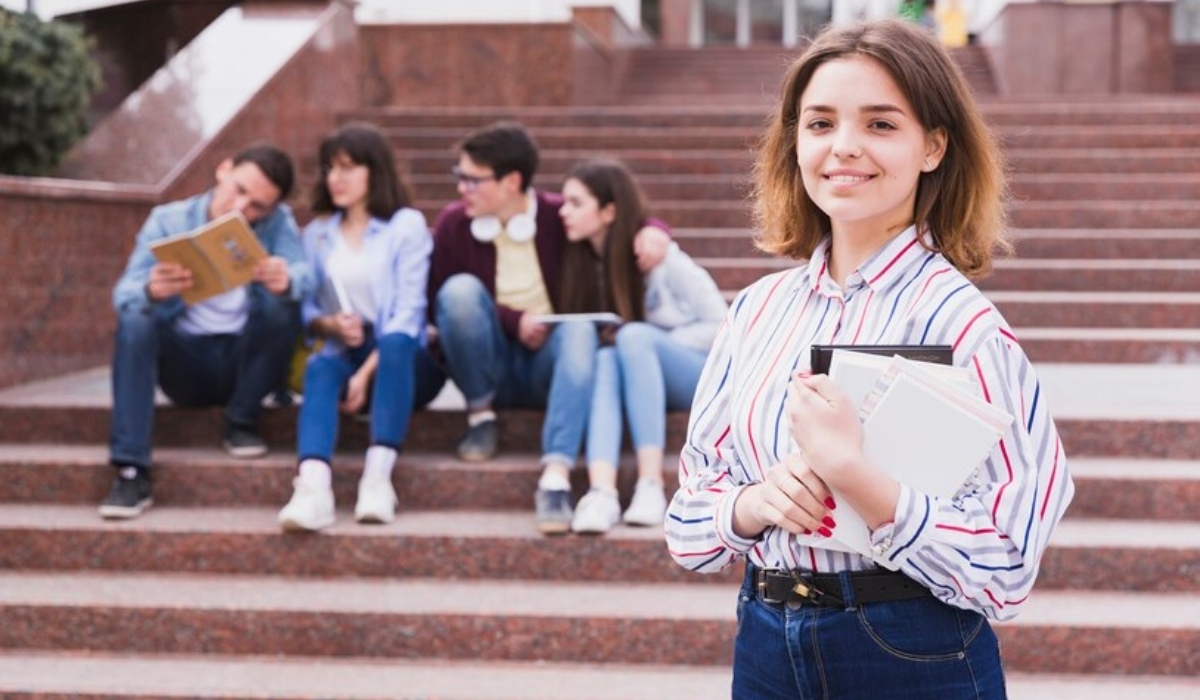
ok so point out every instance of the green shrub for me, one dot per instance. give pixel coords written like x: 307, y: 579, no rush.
x: 47, y: 79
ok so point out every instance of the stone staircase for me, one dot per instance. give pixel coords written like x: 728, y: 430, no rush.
x: 461, y: 599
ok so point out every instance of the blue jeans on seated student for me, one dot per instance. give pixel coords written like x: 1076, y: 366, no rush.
x: 391, y: 396
x: 919, y: 649
x: 234, y: 370
x: 492, y: 369
x: 650, y: 373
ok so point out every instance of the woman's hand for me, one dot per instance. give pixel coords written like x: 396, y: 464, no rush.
x: 356, y: 392
x: 825, y: 425
x: 792, y: 497
x: 346, y: 327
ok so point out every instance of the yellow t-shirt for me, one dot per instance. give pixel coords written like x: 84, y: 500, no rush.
x: 519, y: 283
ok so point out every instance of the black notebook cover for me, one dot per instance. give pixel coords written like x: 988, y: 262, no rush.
x: 937, y: 354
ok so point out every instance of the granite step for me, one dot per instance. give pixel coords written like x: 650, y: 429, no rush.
x: 737, y: 186
x: 738, y: 161
x: 1165, y: 111
x: 1086, y: 310
x: 1129, y: 346
x: 1125, y: 488
x: 1079, y: 214
x: 687, y: 137
x: 1028, y: 243
x: 1025, y: 274
x: 523, y: 621
x: 29, y: 675
x: 1135, y: 555
x: 1102, y: 410
x: 43, y: 675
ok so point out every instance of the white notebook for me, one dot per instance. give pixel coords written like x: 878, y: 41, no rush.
x: 923, y: 425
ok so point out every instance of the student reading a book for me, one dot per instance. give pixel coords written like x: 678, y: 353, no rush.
x: 651, y: 363
x: 496, y: 266
x: 878, y: 174
x: 370, y: 251
x: 228, y: 350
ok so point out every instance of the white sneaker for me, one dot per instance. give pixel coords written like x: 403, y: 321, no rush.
x: 648, y: 506
x: 377, y: 501
x: 311, y: 508
x: 596, y: 513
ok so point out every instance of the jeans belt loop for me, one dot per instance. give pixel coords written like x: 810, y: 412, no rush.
x: 844, y: 578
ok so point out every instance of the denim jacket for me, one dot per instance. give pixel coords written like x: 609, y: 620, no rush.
x: 277, y: 232
x: 398, y: 255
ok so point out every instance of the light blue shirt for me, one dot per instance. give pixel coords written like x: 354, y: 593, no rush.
x: 397, y: 253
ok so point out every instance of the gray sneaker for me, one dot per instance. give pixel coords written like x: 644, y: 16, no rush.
x: 553, y: 511
x: 479, y: 444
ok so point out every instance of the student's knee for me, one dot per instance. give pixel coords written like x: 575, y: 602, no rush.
x: 635, y: 338
x: 460, y: 297
x: 277, y: 314
x: 576, y: 344
x: 136, y: 326
x: 399, y: 346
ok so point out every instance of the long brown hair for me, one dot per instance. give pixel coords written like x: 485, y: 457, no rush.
x: 620, y: 286
x: 961, y: 202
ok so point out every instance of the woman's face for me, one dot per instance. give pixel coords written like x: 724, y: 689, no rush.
x: 861, y: 148
x: 348, y: 182
x: 582, y: 215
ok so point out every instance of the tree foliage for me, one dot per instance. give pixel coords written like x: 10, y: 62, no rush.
x: 47, y: 79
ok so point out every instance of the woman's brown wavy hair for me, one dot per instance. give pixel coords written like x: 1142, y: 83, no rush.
x: 961, y: 202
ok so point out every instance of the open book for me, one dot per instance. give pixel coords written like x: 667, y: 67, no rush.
x: 221, y: 255
x: 924, y: 424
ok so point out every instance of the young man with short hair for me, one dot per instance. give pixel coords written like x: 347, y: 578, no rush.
x: 228, y: 350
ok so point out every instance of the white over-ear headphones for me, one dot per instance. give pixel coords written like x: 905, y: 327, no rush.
x: 521, y: 227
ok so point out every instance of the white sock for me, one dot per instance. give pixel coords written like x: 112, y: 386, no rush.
x: 553, y: 481
x: 316, y: 473
x: 481, y: 417
x: 379, y: 463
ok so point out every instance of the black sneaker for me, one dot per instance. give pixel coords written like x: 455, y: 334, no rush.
x: 553, y: 511
x: 129, y: 496
x: 479, y: 443
x: 244, y: 442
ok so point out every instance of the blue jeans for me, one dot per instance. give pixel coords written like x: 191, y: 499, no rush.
x: 233, y: 370
x: 918, y: 649
x: 492, y: 369
x: 651, y: 373
x: 391, y: 398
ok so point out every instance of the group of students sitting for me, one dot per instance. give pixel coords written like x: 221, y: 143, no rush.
x: 392, y: 309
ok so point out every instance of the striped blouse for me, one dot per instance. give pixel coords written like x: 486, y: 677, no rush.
x: 979, y: 550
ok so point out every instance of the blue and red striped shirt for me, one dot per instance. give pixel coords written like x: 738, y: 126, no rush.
x: 979, y: 550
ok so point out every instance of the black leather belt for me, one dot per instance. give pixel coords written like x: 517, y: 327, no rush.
x: 780, y: 586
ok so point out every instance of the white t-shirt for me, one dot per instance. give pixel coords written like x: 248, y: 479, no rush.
x: 347, y: 268
x: 224, y: 313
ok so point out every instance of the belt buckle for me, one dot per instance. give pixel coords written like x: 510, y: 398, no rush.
x: 761, y: 584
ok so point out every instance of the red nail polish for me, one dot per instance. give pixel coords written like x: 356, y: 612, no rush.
x: 829, y: 522
x: 824, y: 532
x: 807, y: 531
x: 829, y: 503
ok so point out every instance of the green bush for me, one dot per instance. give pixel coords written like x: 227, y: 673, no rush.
x: 47, y: 79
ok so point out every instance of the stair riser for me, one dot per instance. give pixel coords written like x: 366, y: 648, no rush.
x: 1026, y: 278
x: 404, y: 139
x: 437, y: 431
x: 1021, y: 314
x: 576, y: 559
x: 1123, y: 351
x: 468, y: 636
x: 1038, y: 649
x: 738, y: 162
x: 736, y: 187
x: 740, y: 244
x: 424, y: 486
x: 1031, y: 649
x: 1073, y: 216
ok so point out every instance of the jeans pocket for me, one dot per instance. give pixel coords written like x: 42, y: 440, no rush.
x: 920, y: 630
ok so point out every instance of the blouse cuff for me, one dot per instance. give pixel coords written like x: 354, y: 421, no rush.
x: 893, y: 543
x: 724, y: 523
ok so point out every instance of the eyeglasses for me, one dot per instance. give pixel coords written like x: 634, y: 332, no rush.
x: 470, y: 182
